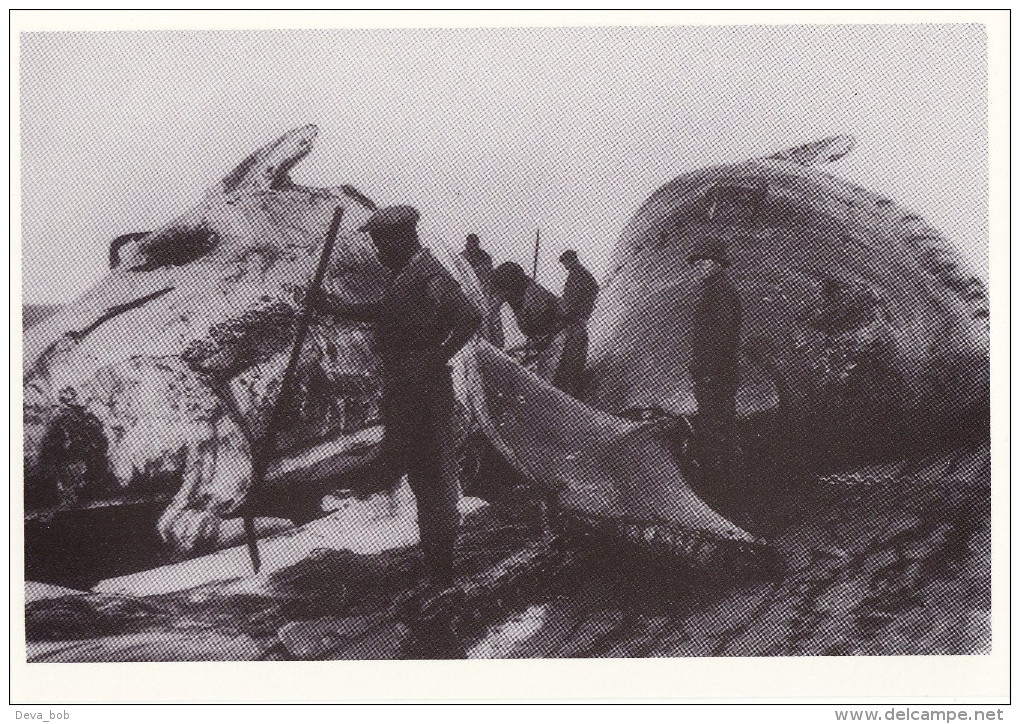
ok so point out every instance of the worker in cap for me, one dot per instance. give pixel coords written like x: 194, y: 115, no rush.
x: 481, y: 263
x: 715, y: 364
x: 479, y: 259
x: 535, y: 308
x: 579, y: 290
x: 423, y: 320
x: 538, y: 315
x: 577, y: 303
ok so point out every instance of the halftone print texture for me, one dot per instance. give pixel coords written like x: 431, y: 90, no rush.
x: 770, y: 437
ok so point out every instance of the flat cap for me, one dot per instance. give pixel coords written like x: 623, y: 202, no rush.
x: 391, y: 217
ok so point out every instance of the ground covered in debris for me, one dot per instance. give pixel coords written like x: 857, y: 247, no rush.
x: 888, y: 560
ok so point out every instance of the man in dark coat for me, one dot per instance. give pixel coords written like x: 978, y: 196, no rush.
x: 481, y: 263
x: 715, y: 363
x: 579, y: 291
x: 478, y: 258
x: 422, y: 320
x: 538, y: 315
x: 536, y: 309
x: 578, y: 301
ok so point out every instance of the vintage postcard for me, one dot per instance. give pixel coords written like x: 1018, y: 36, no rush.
x: 651, y: 355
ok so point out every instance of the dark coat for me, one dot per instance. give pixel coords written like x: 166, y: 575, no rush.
x: 579, y: 293
x: 421, y: 308
x: 481, y: 262
x: 492, y: 322
x: 715, y: 337
x: 537, y: 311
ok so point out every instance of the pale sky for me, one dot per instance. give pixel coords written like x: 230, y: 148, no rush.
x: 492, y: 131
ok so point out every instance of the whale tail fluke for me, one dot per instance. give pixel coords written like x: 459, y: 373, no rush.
x: 816, y: 153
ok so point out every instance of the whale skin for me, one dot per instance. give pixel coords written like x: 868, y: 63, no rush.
x: 861, y: 325
x: 155, y: 383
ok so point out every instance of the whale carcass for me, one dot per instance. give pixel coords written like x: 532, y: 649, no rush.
x: 863, y: 337
x: 861, y: 325
x: 154, y: 384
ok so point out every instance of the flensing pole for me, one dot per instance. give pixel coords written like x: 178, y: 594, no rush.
x: 262, y: 451
x: 534, y: 263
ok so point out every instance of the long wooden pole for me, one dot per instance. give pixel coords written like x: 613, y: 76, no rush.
x: 262, y: 452
x: 534, y: 263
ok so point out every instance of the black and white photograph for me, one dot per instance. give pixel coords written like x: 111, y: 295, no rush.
x: 539, y: 342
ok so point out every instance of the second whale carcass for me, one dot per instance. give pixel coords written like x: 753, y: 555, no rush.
x: 863, y: 338
x: 861, y: 325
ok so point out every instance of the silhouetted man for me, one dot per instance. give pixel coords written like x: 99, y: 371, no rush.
x: 478, y: 258
x: 715, y: 363
x: 578, y: 301
x: 538, y: 315
x: 535, y: 308
x: 423, y: 319
x: 481, y: 263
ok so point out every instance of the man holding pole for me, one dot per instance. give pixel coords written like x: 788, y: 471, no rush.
x: 423, y: 320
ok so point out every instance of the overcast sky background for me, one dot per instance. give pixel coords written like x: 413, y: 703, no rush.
x: 493, y: 131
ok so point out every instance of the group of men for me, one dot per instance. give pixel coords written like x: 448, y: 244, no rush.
x: 424, y: 318
x: 555, y: 328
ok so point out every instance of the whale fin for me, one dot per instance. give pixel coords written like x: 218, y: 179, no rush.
x: 269, y: 167
x: 816, y: 153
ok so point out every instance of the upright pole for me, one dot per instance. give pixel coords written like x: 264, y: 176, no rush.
x: 534, y: 263
x: 262, y: 451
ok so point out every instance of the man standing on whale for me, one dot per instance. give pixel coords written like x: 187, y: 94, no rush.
x: 423, y: 319
x: 481, y: 262
x: 579, y: 293
x: 715, y: 364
